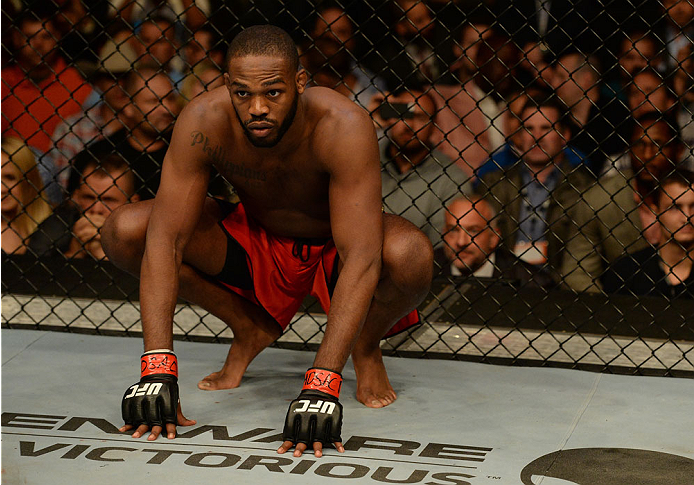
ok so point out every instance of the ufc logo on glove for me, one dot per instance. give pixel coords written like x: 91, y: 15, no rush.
x: 323, y: 407
x: 145, y: 390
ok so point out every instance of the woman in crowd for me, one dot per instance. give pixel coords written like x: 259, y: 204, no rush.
x: 23, y: 206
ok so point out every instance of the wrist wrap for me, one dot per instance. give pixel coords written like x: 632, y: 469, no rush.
x: 323, y: 380
x: 158, y: 363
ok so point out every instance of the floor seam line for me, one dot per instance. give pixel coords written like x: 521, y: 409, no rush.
x: 43, y: 334
x: 582, y: 410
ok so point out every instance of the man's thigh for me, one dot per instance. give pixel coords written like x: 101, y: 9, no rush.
x: 207, y: 248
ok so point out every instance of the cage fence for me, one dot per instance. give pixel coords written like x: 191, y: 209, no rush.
x: 545, y: 148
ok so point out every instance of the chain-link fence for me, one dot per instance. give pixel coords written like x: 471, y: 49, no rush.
x: 544, y: 147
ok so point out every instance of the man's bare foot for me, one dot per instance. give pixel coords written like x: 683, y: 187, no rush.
x: 220, y: 380
x: 373, y: 387
x: 229, y: 377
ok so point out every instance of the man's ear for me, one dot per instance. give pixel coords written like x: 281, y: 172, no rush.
x: 135, y: 198
x: 301, y: 80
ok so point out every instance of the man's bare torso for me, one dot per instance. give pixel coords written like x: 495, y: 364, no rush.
x: 285, y: 188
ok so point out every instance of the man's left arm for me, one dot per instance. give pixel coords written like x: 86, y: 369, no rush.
x: 352, y: 160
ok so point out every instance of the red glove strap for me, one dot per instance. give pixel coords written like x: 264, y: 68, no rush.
x: 323, y: 380
x: 164, y: 363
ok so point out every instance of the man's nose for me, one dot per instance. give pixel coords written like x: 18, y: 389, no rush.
x: 258, y: 107
x: 98, y: 208
x: 464, y: 239
x: 649, y: 151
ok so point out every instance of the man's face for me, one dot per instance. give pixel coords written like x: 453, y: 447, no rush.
x: 153, y: 107
x: 472, y: 37
x: 680, y: 12
x: 636, y: 55
x: 652, y: 152
x: 647, y: 93
x: 265, y: 95
x: 416, y: 19
x: 468, y: 238
x: 113, y: 92
x: 156, y: 43
x: 515, y: 114
x: 36, y: 43
x: 334, y: 25
x: 676, y: 214
x: 102, y: 193
x: 572, y: 80
x: 540, y: 140
x: 411, y: 132
x: 197, y: 48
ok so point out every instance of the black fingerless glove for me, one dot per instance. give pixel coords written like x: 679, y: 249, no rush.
x: 154, y: 400
x: 316, y: 415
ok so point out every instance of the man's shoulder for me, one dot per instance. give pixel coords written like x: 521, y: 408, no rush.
x: 210, y: 110
x: 328, y: 110
x: 607, y: 189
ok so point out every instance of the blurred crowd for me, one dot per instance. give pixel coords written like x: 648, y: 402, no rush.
x: 541, y: 144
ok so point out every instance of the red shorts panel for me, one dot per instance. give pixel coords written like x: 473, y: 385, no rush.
x: 283, y: 270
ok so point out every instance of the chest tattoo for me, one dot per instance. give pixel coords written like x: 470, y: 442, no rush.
x: 217, y: 153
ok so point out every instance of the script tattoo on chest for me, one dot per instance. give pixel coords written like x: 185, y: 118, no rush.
x: 217, y: 153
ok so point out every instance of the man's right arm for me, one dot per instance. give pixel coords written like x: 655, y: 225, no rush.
x: 175, y: 214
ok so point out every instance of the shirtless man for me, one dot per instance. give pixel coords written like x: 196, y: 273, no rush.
x: 306, y: 167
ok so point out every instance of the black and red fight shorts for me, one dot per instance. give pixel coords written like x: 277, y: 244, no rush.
x: 276, y: 273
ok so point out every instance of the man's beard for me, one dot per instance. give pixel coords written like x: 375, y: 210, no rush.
x: 283, y: 128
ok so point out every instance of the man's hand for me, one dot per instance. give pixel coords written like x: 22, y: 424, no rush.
x: 86, y: 229
x: 152, y: 404
x: 315, y: 417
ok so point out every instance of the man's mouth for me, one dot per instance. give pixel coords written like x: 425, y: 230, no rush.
x: 260, y: 128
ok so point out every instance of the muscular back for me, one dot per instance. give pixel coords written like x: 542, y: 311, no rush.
x: 285, y: 187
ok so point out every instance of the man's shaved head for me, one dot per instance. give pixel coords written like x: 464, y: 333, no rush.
x: 264, y: 40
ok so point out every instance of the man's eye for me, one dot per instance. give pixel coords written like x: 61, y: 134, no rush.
x: 241, y: 94
x: 273, y: 93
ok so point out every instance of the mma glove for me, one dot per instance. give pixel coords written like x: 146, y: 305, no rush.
x: 316, y: 415
x: 154, y: 400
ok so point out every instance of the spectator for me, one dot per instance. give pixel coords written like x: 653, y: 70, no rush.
x: 203, y: 46
x: 408, y: 54
x: 498, y: 58
x: 417, y: 181
x: 576, y: 81
x: 509, y: 155
x: 40, y: 89
x: 648, y: 91
x: 679, y: 31
x: 638, y: 50
x: 149, y: 118
x: 103, y: 118
x: 99, y: 187
x: 552, y: 26
x: 471, y: 247
x: 330, y: 56
x: 80, y: 24
x: 156, y: 46
x: 667, y: 270
x: 465, y: 117
x: 614, y: 216
x: 133, y: 12
x: 684, y: 87
x: 23, y: 204
x: 532, y: 197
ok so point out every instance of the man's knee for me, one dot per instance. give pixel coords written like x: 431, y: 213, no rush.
x: 123, y: 233
x: 408, y: 257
